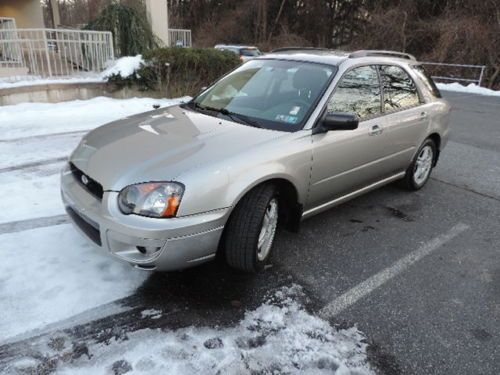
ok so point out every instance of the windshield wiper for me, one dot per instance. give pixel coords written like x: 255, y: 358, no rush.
x: 202, y: 107
x: 232, y: 115
x: 239, y: 118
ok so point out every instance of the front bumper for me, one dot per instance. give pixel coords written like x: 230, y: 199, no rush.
x: 146, y: 243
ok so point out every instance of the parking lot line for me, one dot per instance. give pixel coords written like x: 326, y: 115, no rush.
x: 369, y: 285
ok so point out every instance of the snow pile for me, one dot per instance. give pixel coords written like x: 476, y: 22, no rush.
x: 124, y: 66
x: 279, y: 337
x: 50, y: 274
x: 470, y: 89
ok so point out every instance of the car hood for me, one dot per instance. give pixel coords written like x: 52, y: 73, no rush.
x: 160, y: 145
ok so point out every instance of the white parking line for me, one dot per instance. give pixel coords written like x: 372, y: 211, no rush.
x: 369, y: 285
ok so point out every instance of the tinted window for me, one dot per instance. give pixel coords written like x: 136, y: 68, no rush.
x: 427, y: 80
x: 358, y: 92
x: 399, y: 89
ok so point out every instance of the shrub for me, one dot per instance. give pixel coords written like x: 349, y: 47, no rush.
x: 184, y: 71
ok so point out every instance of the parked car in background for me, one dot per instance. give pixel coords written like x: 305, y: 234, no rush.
x: 244, y: 52
x: 281, y: 138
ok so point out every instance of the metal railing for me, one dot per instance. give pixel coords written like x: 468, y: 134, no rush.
x: 11, y: 55
x: 456, y: 72
x: 7, y: 23
x: 180, y: 37
x: 56, y: 52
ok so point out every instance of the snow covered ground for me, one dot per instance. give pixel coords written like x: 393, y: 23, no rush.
x: 30, y: 119
x: 54, y: 274
x: 50, y: 275
x: 32, y: 133
x: 279, y: 337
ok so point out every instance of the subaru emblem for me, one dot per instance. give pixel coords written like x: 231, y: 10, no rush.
x: 85, y: 179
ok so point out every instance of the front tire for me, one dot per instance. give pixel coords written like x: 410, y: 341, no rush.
x: 419, y: 172
x: 251, y: 229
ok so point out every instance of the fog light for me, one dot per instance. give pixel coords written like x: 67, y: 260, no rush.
x: 148, y: 250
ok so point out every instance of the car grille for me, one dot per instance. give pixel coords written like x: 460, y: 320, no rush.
x: 90, y: 230
x: 91, y: 185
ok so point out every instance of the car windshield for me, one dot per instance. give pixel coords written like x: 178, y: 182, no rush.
x: 272, y: 94
x: 250, y: 52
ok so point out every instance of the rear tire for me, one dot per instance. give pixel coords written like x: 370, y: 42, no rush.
x: 419, y: 171
x: 250, y: 231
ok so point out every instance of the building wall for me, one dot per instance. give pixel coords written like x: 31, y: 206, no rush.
x: 157, y: 11
x: 28, y: 13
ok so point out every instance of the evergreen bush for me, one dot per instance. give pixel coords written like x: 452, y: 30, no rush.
x: 180, y: 71
x: 132, y: 33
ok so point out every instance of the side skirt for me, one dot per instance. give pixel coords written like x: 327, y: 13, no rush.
x: 352, y: 195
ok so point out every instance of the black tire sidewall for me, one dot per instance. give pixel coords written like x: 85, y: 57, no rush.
x: 243, y: 229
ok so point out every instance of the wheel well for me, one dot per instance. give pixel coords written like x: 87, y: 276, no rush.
x: 290, y: 210
x: 436, y: 138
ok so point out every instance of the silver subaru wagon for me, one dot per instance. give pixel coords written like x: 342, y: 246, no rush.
x: 281, y: 138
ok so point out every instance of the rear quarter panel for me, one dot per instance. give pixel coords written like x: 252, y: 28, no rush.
x: 440, y: 120
x: 438, y: 109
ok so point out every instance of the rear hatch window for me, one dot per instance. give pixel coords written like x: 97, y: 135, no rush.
x: 427, y: 80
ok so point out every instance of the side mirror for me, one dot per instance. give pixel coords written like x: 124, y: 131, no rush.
x: 337, y: 121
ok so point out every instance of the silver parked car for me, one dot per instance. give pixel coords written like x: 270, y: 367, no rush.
x: 243, y: 52
x: 279, y: 139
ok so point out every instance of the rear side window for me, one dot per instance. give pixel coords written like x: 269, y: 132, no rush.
x: 399, y: 89
x: 427, y: 80
x: 358, y: 92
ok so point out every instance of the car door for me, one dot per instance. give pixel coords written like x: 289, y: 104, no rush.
x: 347, y: 160
x: 406, y: 117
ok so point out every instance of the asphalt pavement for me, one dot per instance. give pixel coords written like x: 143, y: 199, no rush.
x: 418, y: 273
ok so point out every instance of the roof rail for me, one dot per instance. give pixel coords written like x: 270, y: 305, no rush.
x: 284, y: 49
x: 367, y: 52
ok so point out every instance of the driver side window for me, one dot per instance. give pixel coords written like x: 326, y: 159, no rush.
x: 358, y: 92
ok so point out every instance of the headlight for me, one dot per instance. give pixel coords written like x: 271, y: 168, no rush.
x: 153, y: 199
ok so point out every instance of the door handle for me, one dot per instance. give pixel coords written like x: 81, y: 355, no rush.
x: 376, y: 130
x: 423, y: 114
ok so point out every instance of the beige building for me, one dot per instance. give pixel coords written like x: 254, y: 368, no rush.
x: 27, y: 47
x: 27, y: 13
